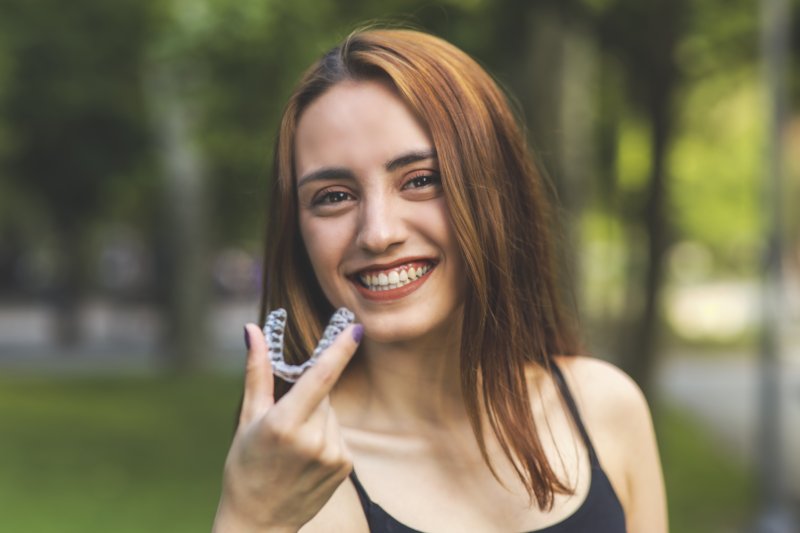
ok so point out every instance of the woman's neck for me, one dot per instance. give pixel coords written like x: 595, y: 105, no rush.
x: 404, y: 385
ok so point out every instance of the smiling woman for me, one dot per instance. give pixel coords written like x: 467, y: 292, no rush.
x: 404, y: 192
x: 371, y: 208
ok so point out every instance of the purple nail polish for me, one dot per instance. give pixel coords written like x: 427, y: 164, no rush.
x: 358, y: 332
x: 246, y: 338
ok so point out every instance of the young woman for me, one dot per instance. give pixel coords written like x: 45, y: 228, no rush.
x: 404, y: 191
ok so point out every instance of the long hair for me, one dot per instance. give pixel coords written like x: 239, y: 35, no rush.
x: 513, y: 314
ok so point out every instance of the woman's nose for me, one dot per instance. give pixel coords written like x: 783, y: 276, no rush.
x: 380, y: 226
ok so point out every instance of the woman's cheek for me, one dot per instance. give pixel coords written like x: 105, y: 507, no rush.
x: 325, y: 244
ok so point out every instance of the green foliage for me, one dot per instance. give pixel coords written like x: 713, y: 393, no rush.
x: 717, y: 165
x: 73, y: 99
x: 634, y: 155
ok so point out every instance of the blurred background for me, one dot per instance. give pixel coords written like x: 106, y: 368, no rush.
x: 135, y: 144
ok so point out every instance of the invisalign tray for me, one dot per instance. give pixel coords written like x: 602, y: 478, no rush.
x: 274, y: 330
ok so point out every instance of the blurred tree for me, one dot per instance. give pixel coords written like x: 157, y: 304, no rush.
x: 643, y: 70
x: 553, y: 45
x: 645, y: 37
x: 72, y: 100
x: 184, y: 266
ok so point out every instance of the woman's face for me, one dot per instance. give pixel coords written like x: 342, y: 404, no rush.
x: 373, y: 215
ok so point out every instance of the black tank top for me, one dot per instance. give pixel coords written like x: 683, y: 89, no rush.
x: 600, y: 512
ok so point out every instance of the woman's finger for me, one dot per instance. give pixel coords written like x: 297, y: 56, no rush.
x: 258, y: 380
x: 318, y: 380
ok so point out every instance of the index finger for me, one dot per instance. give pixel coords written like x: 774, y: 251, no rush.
x: 317, y: 381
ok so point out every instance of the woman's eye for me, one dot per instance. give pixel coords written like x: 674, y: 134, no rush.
x: 332, y: 197
x: 422, y: 180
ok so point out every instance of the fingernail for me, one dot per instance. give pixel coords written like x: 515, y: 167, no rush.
x: 358, y: 332
x: 246, y: 338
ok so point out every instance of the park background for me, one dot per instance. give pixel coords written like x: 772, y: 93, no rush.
x: 135, y: 145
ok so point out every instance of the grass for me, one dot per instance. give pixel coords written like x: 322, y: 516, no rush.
x: 121, y: 454
x: 145, y: 454
x: 707, y: 491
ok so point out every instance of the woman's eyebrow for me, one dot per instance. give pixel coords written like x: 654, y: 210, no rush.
x: 410, y: 157
x: 328, y: 173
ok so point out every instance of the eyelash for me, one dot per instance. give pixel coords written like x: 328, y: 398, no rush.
x: 332, y: 197
x: 431, y: 177
x: 326, y: 197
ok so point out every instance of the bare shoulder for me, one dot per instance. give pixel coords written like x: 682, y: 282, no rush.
x: 603, y: 390
x: 618, y: 420
x: 611, y: 405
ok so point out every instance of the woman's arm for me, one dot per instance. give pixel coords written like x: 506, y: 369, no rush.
x: 647, y: 502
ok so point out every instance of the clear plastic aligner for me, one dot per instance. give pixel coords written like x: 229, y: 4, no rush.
x: 274, y: 330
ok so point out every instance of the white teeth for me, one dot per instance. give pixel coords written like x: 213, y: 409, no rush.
x: 393, y: 279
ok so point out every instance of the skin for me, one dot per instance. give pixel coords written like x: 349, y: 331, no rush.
x: 367, y: 214
x: 396, y: 410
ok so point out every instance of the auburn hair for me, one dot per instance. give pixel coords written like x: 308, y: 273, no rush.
x: 513, y: 312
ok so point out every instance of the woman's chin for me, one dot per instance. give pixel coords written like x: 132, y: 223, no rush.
x: 380, y: 332
x: 379, y: 335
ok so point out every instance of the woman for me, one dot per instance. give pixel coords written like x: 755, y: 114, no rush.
x: 404, y: 192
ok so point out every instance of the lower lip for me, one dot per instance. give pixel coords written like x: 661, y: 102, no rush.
x: 392, y: 294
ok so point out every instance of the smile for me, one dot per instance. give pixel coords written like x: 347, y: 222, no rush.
x: 394, y: 277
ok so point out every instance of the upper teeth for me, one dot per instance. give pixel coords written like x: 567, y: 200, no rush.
x: 393, y: 279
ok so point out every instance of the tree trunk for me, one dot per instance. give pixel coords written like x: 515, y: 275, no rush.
x: 642, y: 352
x: 577, y: 157
x: 664, y: 18
x: 69, y: 287
x: 184, y: 272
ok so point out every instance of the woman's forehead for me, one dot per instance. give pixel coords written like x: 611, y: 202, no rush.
x: 357, y: 124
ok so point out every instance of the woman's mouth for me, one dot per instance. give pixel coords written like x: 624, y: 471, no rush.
x: 395, y: 277
x: 395, y: 281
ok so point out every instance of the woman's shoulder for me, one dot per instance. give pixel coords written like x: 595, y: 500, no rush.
x: 618, y: 420
x: 603, y: 391
x: 612, y: 406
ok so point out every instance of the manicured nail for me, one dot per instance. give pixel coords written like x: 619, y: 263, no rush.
x: 246, y: 338
x: 358, y: 332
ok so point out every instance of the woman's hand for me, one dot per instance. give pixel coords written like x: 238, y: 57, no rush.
x: 286, y: 458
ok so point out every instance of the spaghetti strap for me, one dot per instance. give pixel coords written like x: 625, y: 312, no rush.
x: 362, y: 493
x: 378, y: 520
x: 573, y: 409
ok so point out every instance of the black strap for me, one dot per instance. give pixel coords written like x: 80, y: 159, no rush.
x: 362, y: 494
x: 378, y: 519
x: 573, y: 408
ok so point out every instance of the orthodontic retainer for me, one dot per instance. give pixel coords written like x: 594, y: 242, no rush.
x: 274, y: 329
